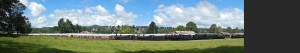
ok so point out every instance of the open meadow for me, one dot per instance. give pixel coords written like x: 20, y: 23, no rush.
x: 50, y: 44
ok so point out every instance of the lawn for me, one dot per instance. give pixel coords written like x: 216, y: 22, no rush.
x: 49, y: 44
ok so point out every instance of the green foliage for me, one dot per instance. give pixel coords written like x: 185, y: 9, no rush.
x: 61, y: 24
x: 236, y: 30
x: 180, y: 28
x: 11, y: 18
x: 78, y: 28
x: 191, y: 26
x: 242, y: 31
x: 229, y: 29
x: 152, y: 28
x: 213, y: 28
x: 68, y: 27
x: 125, y: 30
x: 26, y: 28
x: 166, y: 29
x: 220, y: 29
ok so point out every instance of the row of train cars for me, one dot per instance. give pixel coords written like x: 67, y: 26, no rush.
x: 180, y: 36
x: 197, y: 36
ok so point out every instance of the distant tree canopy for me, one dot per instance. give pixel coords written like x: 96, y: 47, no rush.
x: 126, y: 30
x: 78, y: 28
x: 220, y: 29
x: 229, y: 29
x: 236, y: 30
x: 68, y: 27
x: 180, y: 28
x: 152, y: 28
x: 191, y: 26
x: 216, y: 29
x: 213, y: 28
x: 11, y: 18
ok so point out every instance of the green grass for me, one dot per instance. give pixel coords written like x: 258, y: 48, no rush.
x: 48, y: 44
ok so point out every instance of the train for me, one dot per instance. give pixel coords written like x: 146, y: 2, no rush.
x: 196, y: 36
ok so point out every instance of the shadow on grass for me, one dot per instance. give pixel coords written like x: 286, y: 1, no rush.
x: 221, y: 49
x: 13, y: 35
x: 176, y: 40
x: 15, y: 47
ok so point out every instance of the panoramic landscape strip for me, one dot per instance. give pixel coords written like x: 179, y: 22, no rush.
x: 122, y: 26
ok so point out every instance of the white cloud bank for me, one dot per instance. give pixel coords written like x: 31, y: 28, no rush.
x: 204, y: 14
x: 97, y: 15
x: 36, y: 11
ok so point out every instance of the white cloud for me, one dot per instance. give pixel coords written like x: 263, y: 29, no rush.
x: 204, y: 14
x: 119, y: 8
x: 97, y: 15
x: 39, y: 22
x: 36, y: 9
x: 101, y: 9
x: 123, y: 16
x: 24, y: 2
x: 158, y: 19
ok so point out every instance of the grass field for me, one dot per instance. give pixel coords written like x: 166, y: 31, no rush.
x: 48, y: 44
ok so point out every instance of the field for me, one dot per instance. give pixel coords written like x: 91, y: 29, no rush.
x: 48, y: 44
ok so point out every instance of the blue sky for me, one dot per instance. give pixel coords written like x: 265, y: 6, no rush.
x: 135, y: 12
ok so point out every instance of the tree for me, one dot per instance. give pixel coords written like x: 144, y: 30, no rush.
x: 61, y: 25
x: 20, y: 23
x: 77, y: 28
x: 152, y: 28
x: 219, y: 29
x: 242, y: 30
x: 117, y: 29
x: 235, y: 30
x: 180, y: 28
x: 191, y: 26
x: 125, y: 29
x: 11, y: 18
x: 69, y: 26
x: 214, y: 29
x: 24, y: 27
x: 229, y: 29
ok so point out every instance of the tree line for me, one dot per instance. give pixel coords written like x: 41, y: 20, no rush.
x: 68, y: 27
x: 12, y: 19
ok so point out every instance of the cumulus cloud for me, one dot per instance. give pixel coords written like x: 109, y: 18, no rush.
x: 36, y: 8
x: 124, y: 17
x: 24, y: 2
x: 204, y: 14
x: 97, y: 15
x: 39, y: 22
x: 36, y: 11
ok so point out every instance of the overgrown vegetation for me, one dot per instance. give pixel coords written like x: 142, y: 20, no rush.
x: 50, y: 44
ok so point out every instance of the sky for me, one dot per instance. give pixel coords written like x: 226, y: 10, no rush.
x: 170, y: 13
